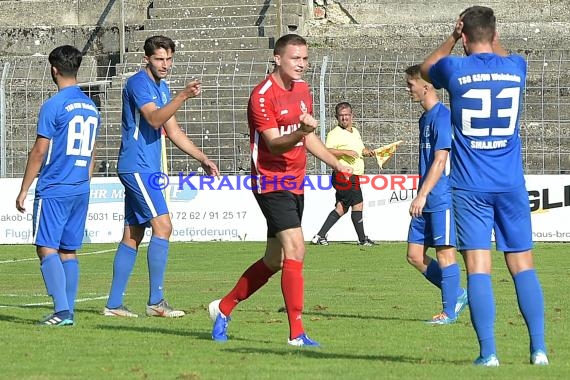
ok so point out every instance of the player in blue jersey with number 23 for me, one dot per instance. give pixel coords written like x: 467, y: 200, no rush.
x: 486, y: 88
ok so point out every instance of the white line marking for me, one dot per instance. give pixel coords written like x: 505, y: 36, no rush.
x: 79, y: 254
x: 51, y: 303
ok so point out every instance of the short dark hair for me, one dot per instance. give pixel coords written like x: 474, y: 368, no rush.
x: 152, y: 44
x: 288, y: 39
x: 413, y: 71
x: 479, y: 23
x: 341, y: 106
x: 66, y: 59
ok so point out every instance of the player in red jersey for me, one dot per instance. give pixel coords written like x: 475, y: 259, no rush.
x: 281, y: 132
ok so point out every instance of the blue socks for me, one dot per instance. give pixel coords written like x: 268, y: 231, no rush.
x: 531, y: 305
x: 449, y: 288
x: 54, y: 279
x: 71, y: 269
x: 122, y: 268
x: 156, y: 257
x: 482, y: 306
x: 433, y: 273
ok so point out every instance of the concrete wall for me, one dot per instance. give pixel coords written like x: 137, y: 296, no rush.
x: 418, y: 24
x: 37, y: 26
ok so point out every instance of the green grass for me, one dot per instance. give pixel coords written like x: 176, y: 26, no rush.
x: 366, y: 308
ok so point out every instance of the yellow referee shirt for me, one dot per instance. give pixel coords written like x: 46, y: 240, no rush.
x: 340, y: 138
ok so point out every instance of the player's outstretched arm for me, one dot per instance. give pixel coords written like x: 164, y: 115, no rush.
x: 443, y: 50
x: 35, y: 160
x: 157, y: 117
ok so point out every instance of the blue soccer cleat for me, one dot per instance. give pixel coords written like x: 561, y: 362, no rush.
x: 441, y: 319
x: 462, y: 302
x: 303, y: 341
x: 488, y: 361
x: 539, y: 357
x: 220, y: 329
x: 61, y: 318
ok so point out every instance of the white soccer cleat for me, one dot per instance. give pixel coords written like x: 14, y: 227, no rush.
x: 214, y: 309
x: 539, y: 357
x: 163, y: 309
x: 120, y: 311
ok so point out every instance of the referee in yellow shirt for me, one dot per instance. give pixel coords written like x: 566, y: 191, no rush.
x: 345, y: 143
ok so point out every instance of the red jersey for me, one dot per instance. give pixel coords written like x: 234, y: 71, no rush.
x: 271, y: 106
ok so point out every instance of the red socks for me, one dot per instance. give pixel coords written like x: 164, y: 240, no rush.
x: 250, y: 281
x: 292, y: 286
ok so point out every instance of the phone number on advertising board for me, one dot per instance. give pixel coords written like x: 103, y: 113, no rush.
x: 177, y: 215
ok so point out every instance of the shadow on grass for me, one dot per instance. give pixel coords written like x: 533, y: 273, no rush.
x: 158, y: 330
x: 16, y: 319
x: 355, y: 316
x: 321, y: 353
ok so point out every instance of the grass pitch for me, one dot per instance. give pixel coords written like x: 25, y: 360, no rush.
x: 365, y: 306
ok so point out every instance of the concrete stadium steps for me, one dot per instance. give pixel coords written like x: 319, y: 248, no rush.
x: 205, y: 3
x: 184, y: 56
x: 417, y: 12
x: 403, y: 37
x: 225, y: 32
x: 258, y: 9
x: 210, y: 22
x: 231, y: 43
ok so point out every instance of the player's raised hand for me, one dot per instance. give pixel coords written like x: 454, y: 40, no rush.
x: 193, y: 89
x: 308, y: 123
x: 458, y: 28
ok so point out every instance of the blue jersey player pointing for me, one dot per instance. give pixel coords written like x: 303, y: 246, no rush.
x: 148, y: 109
x: 62, y: 155
x: 486, y: 89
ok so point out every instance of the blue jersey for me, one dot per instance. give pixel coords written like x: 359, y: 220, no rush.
x: 435, y: 134
x: 485, y: 93
x: 140, y: 142
x: 69, y: 119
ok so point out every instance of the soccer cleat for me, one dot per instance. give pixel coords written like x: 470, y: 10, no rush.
x: 120, y: 311
x: 488, y: 361
x: 61, y: 318
x: 163, y: 309
x: 303, y: 341
x: 462, y: 302
x: 441, y: 319
x: 220, y: 328
x: 539, y: 357
x: 366, y: 242
x: 318, y: 240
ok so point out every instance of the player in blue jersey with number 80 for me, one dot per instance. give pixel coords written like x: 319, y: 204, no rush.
x: 486, y: 89
x: 63, y: 156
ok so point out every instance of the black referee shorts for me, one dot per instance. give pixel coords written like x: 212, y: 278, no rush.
x: 348, y: 191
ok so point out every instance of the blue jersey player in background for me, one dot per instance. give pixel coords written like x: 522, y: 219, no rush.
x: 147, y: 109
x: 433, y: 224
x: 486, y: 89
x: 63, y: 156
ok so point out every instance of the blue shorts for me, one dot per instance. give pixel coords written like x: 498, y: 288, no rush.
x: 143, y: 200
x: 433, y: 229
x: 59, y: 223
x: 478, y: 214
